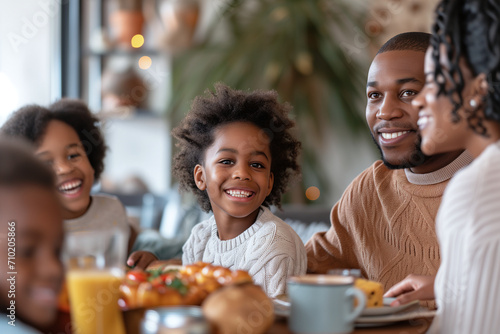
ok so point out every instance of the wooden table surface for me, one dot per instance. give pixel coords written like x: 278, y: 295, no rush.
x: 416, y: 326
x: 280, y: 326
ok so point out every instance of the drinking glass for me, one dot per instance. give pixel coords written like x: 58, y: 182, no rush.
x: 94, y: 262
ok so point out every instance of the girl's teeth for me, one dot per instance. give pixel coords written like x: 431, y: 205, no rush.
x: 393, y: 135
x: 239, y: 193
x: 70, y: 186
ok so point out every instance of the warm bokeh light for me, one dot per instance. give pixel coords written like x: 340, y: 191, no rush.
x: 137, y: 41
x: 145, y: 62
x: 312, y: 193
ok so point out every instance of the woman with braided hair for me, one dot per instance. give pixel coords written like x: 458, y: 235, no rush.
x: 459, y: 108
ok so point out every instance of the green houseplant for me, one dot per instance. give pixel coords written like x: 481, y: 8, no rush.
x: 300, y: 48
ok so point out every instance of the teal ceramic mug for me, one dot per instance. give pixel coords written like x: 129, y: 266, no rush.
x: 323, y: 304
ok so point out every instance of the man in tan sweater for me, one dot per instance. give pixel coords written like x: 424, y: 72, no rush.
x: 384, y: 222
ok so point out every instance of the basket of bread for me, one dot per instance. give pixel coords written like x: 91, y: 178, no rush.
x: 176, y: 285
x: 226, y: 297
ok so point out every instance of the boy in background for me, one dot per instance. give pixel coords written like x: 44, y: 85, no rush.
x: 31, y: 237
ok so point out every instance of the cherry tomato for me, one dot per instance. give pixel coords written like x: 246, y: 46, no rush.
x: 162, y: 280
x: 136, y: 276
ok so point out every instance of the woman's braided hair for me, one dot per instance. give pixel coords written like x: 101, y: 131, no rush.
x: 468, y: 29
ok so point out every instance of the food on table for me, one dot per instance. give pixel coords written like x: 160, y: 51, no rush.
x: 241, y: 308
x: 373, y: 290
x: 186, y: 285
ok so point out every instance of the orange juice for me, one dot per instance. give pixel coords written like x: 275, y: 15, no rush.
x: 94, y: 301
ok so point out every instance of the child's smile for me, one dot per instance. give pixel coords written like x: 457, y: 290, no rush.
x: 241, y: 193
x: 61, y: 148
x: 70, y: 188
x: 236, y: 174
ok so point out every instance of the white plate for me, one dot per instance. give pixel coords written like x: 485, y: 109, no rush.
x: 281, y: 307
x: 408, y: 314
x: 386, y: 314
x: 387, y: 309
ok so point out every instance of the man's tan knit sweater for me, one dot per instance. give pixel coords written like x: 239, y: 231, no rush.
x: 384, y: 224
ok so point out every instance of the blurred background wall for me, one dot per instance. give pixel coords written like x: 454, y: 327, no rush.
x: 314, y: 53
x: 28, y: 54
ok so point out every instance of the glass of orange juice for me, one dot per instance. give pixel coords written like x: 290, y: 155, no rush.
x: 94, y: 262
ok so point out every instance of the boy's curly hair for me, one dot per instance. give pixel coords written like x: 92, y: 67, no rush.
x: 30, y: 123
x: 208, y: 112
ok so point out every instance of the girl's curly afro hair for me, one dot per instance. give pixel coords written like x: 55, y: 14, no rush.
x: 30, y: 123
x: 208, y: 112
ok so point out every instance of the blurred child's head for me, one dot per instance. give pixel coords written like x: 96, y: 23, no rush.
x: 31, y: 235
x: 237, y: 123
x: 68, y: 138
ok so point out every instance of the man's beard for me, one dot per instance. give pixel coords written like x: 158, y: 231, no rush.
x: 417, y: 157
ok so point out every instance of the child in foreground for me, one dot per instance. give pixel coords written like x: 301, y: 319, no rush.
x: 31, y: 235
x: 237, y: 154
x: 68, y: 138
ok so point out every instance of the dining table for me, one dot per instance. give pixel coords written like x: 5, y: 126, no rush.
x: 279, y: 326
x: 414, y: 326
x: 134, y: 317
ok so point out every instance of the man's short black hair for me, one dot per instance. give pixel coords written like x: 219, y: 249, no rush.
x: 411, y: 41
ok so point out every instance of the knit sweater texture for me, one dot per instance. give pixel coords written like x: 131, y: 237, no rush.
x: 104, y: 213
x: 468, y: 229
x: 384, y: 224
x: 269, y: 250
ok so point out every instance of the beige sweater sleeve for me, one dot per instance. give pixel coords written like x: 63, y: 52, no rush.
x: 382, y: 225
x: 339, y: 247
